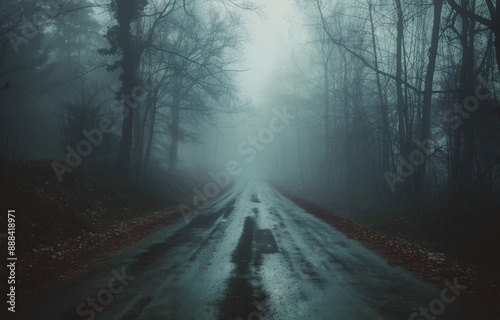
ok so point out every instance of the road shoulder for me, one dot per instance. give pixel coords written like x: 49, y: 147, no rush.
x: 482, y: 296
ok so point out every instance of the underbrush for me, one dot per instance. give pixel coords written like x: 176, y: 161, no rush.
x: 64, y: 228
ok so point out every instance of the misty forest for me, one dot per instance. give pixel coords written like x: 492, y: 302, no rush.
x: 250, y: 159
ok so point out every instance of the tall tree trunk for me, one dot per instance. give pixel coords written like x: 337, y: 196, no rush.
x: 456, y: 160
x: 152, y: 121
x: 382, y: 105
x: 138, y: 125
x: 129, y: 64
x: 326, y: 115
x: 427, y: 103
x: 175, y: 123
x: 299, y: 142
x: 467, y: 89
x: 402, y: 114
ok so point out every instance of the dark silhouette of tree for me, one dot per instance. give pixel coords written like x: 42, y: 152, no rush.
x: 122, y: 41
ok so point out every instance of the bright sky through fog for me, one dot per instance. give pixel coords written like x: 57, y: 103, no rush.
x: 266, y: 33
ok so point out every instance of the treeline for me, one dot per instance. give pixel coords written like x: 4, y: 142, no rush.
x: 400, y: 99
x: 119, y: 84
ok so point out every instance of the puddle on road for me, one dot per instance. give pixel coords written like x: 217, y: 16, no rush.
x: 265, y: 242
x: 243, y: 297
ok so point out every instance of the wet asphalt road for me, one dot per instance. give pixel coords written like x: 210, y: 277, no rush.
x: 253, y: 254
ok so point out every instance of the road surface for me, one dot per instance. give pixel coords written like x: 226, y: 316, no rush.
x: 253, y: 254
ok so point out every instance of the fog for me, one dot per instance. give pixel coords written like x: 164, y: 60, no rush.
x: 384, y: 113
x: 364, y: 93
